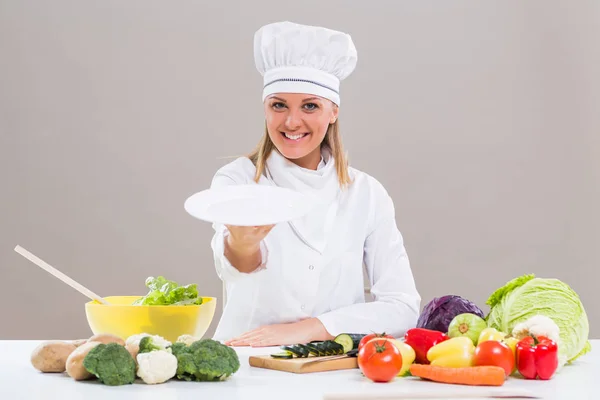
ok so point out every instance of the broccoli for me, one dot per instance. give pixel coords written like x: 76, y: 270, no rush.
x: 151, y: 343
x: 178, y: 347
x: 111, y: 363
x: 205, y: 360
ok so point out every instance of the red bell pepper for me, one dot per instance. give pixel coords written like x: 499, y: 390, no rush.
x: 421, y: 340
x: 537, y: 357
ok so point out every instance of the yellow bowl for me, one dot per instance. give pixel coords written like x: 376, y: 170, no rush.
x: 123, y: 319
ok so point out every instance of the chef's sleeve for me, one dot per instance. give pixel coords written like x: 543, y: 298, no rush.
x: 396, y: 301
x: 226, y: 271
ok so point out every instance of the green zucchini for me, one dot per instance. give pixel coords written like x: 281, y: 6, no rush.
x: 337, y: 348
x: 317, y: 349
x: 283, y: 355
x: 349, y: 341
x: 332, y: 348
x: 322, y: 349
x: 314, y: 350
x: 303, y: 349
x: 328, y: 348
x: 294, y: 350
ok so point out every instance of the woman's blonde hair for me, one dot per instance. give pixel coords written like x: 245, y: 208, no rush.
x: 332, y: 141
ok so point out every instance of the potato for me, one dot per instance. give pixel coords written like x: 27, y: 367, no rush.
x: 75, y: 368
x: 51, y: 356
x: 79, y: 342
x: 106, y: 338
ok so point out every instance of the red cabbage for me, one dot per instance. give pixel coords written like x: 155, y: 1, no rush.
x: 439, y: 312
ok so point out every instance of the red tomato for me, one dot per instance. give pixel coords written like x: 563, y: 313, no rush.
x: 371, y: 336
x: 380, y: 360
x: 493, y: 352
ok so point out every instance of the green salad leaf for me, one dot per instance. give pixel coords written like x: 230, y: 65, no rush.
x: 167, y: 292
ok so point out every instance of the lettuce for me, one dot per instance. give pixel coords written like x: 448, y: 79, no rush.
x: 166, y: 292
x: 526, y: 296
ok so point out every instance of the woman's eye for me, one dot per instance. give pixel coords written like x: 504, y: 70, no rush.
x: 311, y: 106
x: 278, y: 105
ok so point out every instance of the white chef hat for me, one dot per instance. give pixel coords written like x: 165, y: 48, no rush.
x: 294, y: 58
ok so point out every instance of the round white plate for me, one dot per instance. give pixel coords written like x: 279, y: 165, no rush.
x: 248, y: 205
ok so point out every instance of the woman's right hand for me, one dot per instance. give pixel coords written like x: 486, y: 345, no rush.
x: 242, y: 246
x: 246, y: 238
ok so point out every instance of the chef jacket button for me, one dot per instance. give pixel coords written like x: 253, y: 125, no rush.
x: 311, y: 267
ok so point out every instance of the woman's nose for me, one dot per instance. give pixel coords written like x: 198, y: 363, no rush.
x: 293, y: 120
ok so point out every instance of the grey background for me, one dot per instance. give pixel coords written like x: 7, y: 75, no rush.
x: 480, y: 118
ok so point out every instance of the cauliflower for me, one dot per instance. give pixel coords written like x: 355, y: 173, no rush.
x: 538, y: 325
x: 151, y: 343
x: 134, y: 340
x: 157, y: 366
x: 187, y: 339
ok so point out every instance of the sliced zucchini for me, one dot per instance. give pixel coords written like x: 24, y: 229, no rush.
x: 326, y: 348
x: 314, y: 350
x: 317, y: 349
x: 331, y: 348
x: 303, y: 349
x: 336, y: 348
x: 322, y: 346
x: 284, y: 355
x: 322, y: 349
x: 292, y: 349
x: 349, y: 341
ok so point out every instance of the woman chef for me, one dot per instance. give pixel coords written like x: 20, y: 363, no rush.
x: 302, y: 281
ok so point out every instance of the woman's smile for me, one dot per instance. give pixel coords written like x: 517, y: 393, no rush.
x: 294, y: 137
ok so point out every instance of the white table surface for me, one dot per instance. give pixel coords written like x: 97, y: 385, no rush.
x: 19, y: 380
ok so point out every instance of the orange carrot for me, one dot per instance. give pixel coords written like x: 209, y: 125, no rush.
x: 487, y: 375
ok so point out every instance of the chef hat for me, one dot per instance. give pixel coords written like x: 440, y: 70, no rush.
x: 294, y: 58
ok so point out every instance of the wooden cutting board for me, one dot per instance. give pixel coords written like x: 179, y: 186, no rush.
x: 305, y: 365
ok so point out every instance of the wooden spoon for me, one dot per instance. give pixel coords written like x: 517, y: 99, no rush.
x: 56, y: 273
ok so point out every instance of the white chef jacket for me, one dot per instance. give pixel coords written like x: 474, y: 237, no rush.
x: 300, y: 279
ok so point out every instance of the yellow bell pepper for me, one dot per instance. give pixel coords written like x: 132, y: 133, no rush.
x: 512, y: 343
x: 491, y: 334
x: 456, y: 352
x: 408, y: 355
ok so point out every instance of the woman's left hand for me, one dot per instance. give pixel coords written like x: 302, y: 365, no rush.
x: 303, y: 331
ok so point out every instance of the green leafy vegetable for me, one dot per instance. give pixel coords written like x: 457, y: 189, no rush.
x: 205, y: 360
x: 111, y: 363
x: 526, y: 296
x: 166, y: 292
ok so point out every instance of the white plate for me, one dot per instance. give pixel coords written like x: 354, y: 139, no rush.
x: 248, y: 205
